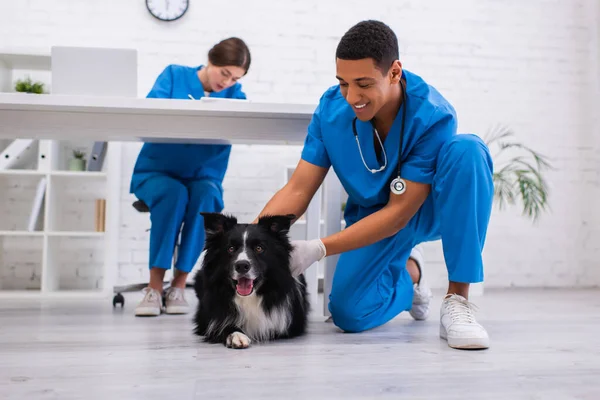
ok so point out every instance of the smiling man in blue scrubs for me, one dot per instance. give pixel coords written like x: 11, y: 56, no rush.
x: 380, y: 115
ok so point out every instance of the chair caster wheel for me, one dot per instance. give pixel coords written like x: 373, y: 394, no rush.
x: 119, y: 299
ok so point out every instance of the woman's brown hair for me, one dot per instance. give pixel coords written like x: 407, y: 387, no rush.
x: 230, y: 52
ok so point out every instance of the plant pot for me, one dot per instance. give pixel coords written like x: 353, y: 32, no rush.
x: 76, y: 164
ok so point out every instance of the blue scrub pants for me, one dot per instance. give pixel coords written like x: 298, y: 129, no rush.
x: 371, y: 285
x: 173, y: 202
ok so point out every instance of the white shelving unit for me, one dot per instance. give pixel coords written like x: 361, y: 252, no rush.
x: 67, y: 254
x: 17, y: 62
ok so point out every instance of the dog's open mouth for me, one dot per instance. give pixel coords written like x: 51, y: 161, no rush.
x: 244, y: 286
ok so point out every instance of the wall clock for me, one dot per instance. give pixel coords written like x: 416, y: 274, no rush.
x: 167, y: 10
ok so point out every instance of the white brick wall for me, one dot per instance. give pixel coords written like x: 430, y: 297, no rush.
x: 16, y: 197
x: 80, y: 261
x: 20, y: 263
x: 531, y: 65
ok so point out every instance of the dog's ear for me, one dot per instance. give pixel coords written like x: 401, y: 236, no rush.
x: 277, y: 223
x: 216, y: 223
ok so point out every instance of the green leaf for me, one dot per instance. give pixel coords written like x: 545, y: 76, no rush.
x: 520, y: 178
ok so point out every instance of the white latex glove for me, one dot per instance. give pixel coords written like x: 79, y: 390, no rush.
x: 305, y: 254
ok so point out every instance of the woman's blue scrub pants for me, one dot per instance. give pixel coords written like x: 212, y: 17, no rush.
x: 371, y: 285
x: 173, y: 202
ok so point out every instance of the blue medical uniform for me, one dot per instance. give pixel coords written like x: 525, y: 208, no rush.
x: 178, y: 181
x: 371, y: 285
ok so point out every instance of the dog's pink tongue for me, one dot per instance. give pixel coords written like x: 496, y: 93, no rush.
x: 244, y: 286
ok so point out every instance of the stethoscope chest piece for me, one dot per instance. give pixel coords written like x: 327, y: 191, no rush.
x: 398, y: 186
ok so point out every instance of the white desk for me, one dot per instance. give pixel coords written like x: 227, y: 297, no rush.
x: 134, y: 119
x: 63, y: 117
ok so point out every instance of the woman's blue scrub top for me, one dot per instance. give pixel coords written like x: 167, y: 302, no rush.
x: 180, y: 160
x: 430, y: 122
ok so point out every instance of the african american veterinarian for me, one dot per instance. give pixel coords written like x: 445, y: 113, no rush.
x: 177, y: 181
x: 444, y: 189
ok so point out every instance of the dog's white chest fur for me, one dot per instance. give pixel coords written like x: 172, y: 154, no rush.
x: 258, y: 324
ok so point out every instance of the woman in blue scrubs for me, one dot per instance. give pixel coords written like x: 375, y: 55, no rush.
x: 391, y: 139
x: 178, y: 181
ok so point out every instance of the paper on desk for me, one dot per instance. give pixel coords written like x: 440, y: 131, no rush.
x: 217, y: 99
x: 211, y: 99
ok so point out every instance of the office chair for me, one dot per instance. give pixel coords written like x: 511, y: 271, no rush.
x: 142, y: 207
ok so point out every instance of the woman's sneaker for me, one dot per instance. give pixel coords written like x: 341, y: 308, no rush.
x: 175, y: 301
x: 151, y: 304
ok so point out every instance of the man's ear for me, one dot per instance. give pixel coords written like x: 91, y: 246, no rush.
x: 395, y: 72
x: 216, y: 223
x: 277, y: 223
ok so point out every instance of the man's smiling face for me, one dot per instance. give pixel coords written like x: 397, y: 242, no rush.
x: 366, y: 88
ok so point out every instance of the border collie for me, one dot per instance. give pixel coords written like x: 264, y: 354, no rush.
x: 245, y: 289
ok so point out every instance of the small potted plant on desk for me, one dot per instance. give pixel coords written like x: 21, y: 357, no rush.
x: 77, y: 163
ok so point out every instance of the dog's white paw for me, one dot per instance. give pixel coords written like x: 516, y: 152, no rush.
x: 237, y: 340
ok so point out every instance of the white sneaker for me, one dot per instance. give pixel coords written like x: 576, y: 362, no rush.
x: 422, y: 294
x: 458, y: 325
x: 175, y: 301
x: 421, y: 300
x: 151, y: 304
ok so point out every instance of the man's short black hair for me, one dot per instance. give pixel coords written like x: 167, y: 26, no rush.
x: 369, y: 39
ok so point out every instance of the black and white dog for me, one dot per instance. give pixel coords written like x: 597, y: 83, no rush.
x: 245, y: 288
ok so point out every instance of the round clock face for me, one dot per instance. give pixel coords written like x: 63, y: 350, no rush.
x: 167, y: 10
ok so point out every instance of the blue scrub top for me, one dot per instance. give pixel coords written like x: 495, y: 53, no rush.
x: 180, y: 160
x: 430, y: 122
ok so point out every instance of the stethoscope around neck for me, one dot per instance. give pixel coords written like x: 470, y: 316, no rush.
x: 398, y: 185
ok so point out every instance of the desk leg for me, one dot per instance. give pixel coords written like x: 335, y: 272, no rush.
x: 313, y: 231
x: 333, y: 223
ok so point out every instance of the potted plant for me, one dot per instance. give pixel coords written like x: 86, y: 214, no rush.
x: 28, y: 86
x: 518, y: 177
x: 77, y: 163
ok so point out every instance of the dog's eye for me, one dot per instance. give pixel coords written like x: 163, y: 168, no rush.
x: 230, y: 249
x: 259, y: 249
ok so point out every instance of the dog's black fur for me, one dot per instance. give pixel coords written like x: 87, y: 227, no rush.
x: 237, y: 254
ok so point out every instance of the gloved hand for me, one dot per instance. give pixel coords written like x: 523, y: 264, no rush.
x: 305, y: 254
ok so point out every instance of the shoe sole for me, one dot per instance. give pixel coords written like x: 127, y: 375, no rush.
x: 177, y: 310
x: 419, y: 317
x: 147, y: 312
x: 424, y: 301
x: 465, y: 343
